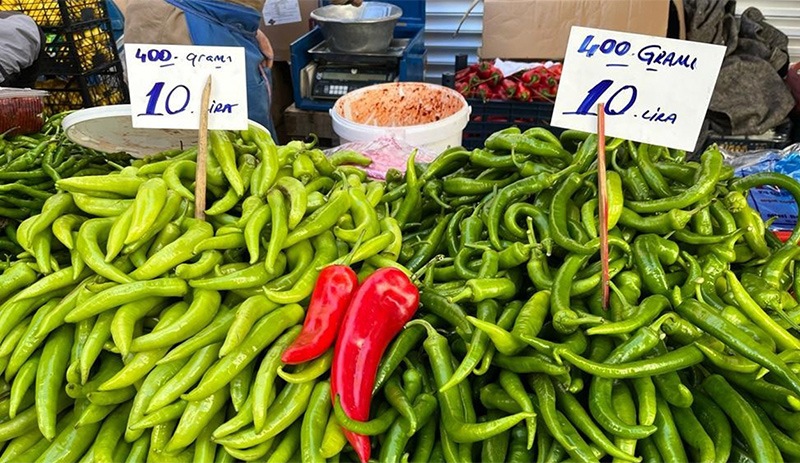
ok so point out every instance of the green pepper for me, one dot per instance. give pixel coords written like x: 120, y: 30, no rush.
x: 221, y: 149
x: 711, y: 169
x: 650, y: 253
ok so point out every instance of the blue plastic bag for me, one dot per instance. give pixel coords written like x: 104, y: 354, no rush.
x: 771, y: 201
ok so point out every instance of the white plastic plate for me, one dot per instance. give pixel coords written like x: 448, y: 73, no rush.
x: 108, y: 129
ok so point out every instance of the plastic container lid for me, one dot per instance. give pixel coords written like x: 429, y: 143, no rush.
x: 109, y: 129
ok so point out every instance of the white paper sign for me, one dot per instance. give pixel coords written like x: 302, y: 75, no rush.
x: 166, y: 86
x: 655, y: 90
x: 277, y: 12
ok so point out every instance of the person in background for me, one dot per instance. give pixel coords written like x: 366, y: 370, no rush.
x: 233, y: 23
x: 21, y: 50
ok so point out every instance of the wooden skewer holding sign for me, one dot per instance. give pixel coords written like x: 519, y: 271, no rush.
x: 202, y: 155
x: 603, y: 200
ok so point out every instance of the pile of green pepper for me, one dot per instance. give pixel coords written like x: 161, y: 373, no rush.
x: 697, y: 357
x: 29, y: 167
x: 132, y: 331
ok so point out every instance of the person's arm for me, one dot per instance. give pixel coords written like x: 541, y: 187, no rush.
x: 20, y: 43
x: 265, y: 45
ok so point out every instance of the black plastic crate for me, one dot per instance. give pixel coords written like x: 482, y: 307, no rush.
x: 779, y: 139
x: 490, y: 116
x: 62, y: 14
x: 79, y: 51
x: 84, y: 91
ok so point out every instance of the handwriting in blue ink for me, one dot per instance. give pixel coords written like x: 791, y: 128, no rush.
x: 177, y: 100
x: 650, y: 55
x: 607, y: 47
x: 619, y: 103
x: 203, y: 58
x: 221, y: 108
x: 654, y: 54
x: 153, y: 55
x: 164, y: 56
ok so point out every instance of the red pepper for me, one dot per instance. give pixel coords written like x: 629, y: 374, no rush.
x: 463, y: 88
x: 556, y: 69
x: 382, y: 305
x: 496, y: 77
x: 531, y: 76
x: 549, y: 93
x: 489, y: 73
x: 333, y: 291
x: 552, y: 80
x: 466, y: 72
x: 474, y: 80
x: 483, y: 91
x: 485, y: 69
x: 523, y: 94
x: 508, y: 88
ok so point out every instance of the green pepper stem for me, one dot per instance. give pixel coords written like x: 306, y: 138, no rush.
x: 430, y: 330
x: 668, y: 317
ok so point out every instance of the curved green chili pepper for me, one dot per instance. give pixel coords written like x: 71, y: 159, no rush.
x: 450, y: 402
x: 711, y: 170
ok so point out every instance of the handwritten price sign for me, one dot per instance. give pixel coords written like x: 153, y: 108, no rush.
x: 655, y: 90
x: 166, y: 83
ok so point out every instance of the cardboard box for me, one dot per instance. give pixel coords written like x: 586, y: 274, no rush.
x: 282, y: 35
x: 539, y: 29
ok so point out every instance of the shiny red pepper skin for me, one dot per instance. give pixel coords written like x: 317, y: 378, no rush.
x: 523, y: 94
x: 463, y: 88
x: 483, y: 91
x: 530, y: 77
x: 383, y: 304
x: 333, y: 291
x: 508, y: 88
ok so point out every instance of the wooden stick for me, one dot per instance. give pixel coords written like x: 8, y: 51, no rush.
x: 602, y: 187
x: 202, y: 155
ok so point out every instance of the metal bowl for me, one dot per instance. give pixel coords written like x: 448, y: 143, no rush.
x: 368, y: 28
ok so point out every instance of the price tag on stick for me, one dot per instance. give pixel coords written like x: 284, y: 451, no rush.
x: 655, y: 90
x: 202, y: 158
x: 602, y: 203
x: 166, y: 84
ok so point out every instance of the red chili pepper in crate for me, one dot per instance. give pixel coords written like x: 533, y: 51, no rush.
x: 552, y: 81
x: 523, y: 94
x: 333, y: 291
x: 485, y: 69
x: 474, y: 81
x: 529, y: 77
x: 483, y: 91
x: 463, y: 88
x: 549, y: 93
x: 556, y: 69
x: 467, y: 72
x: 508, y: 88
x: 489, y: 73
x: 383, y: 304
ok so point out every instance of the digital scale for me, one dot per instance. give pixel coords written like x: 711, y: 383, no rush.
x: 338, y: 73
x: 321, y: 75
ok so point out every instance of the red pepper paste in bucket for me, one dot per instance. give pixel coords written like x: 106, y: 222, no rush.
x: 421, y: 114
x: 21, y: 111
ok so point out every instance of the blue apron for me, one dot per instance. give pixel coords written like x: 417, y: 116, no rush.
x: 218, y: 23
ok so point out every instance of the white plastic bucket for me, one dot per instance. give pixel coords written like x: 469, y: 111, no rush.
x: 422, y: 115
